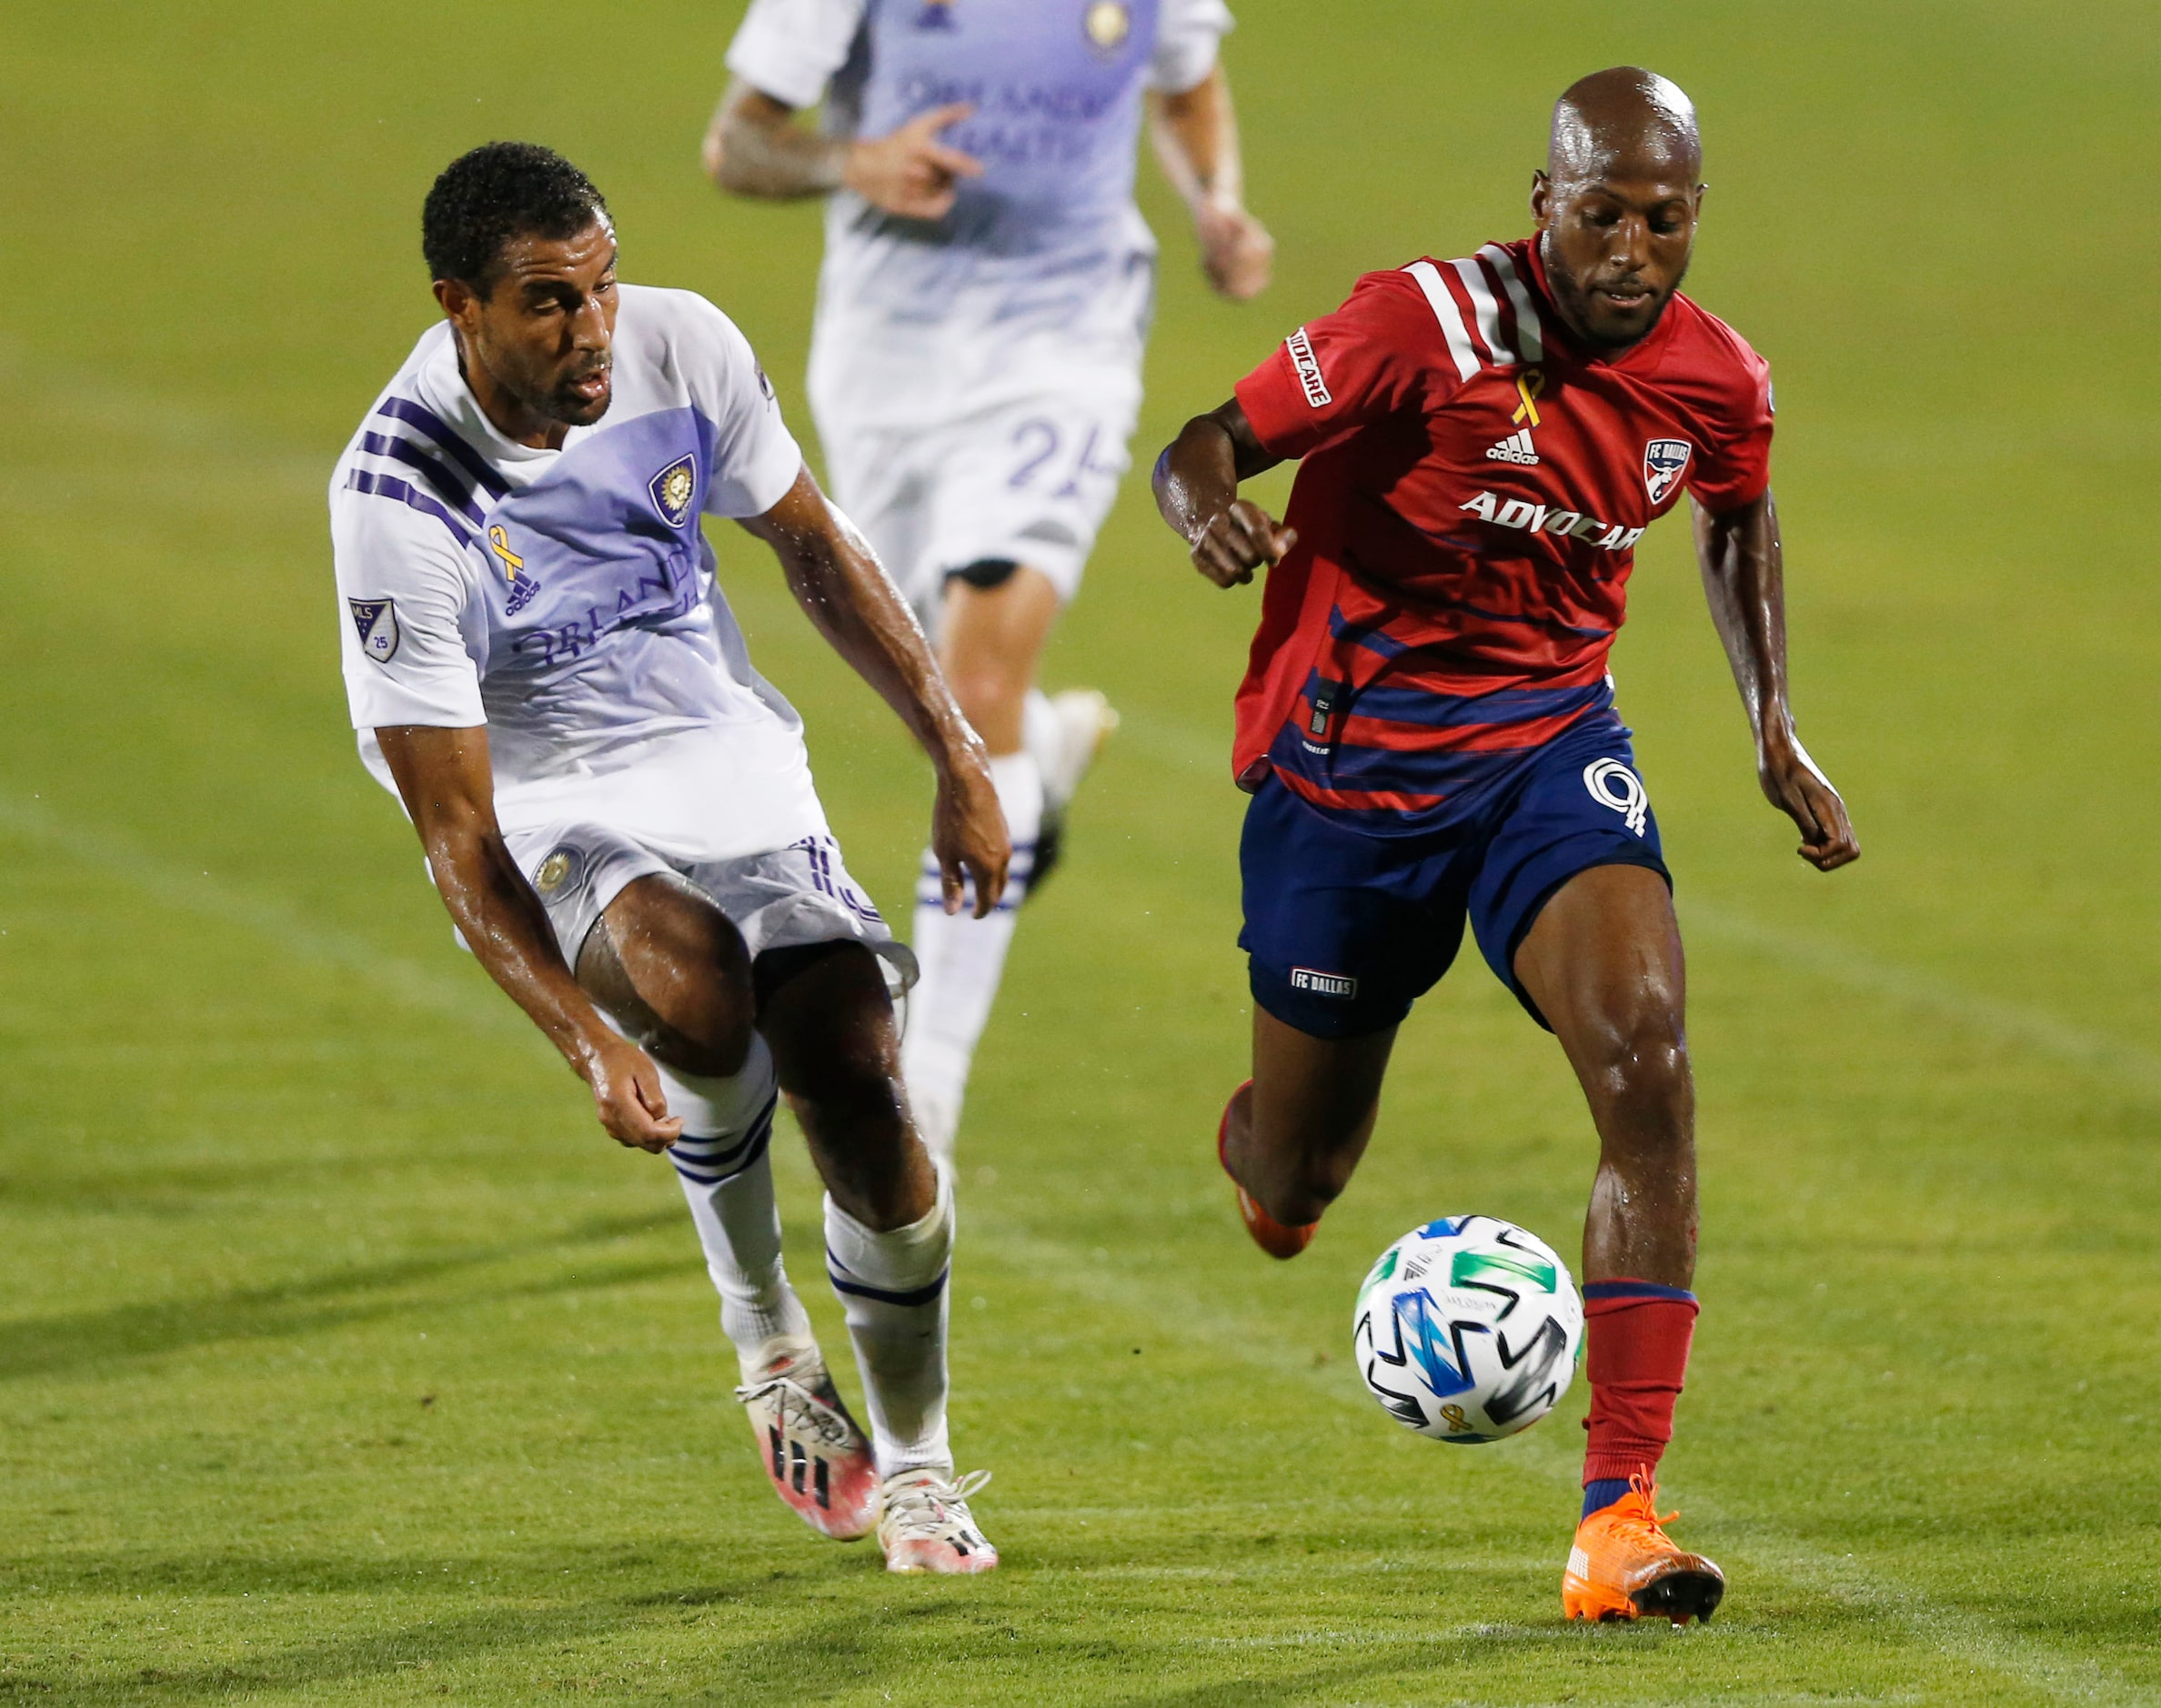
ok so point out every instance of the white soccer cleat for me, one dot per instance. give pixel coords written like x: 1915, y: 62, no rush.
x: 1064, y: 741
x: 1066, y: 744
x: 927, y: 1526
x: 816, y: 1457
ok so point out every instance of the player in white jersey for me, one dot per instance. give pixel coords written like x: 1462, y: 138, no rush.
x: 618, y: 811
x: 975, y: 366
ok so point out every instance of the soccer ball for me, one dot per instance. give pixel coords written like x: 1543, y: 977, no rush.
x: 1468, y: 1328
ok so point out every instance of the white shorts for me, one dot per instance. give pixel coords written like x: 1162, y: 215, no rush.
x: 1028, y: 482
x: 791, y: 896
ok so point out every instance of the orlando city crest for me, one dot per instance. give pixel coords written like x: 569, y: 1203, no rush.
x: 1665, y: 460
x: 673, y: 488
x: 376, y: 621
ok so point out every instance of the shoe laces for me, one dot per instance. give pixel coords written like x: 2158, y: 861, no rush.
x: 931, y: 1506
x: 800, y: 1411
x: 1638, y: 1510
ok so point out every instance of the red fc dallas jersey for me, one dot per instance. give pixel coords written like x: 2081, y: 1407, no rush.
x: 1472, y: 490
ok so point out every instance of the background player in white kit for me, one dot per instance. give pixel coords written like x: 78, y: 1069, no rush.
x: 975, y: 367
x: 618, y: 811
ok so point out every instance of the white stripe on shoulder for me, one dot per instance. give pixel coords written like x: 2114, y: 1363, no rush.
x: 1487, y: 308
x: 1530, y: 331
x: 1449, y: 316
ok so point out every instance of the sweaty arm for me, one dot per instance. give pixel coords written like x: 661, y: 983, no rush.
x: 754, y: 148
x: 1744, y: 569
x: 1195, y: 131
x: 1196, y: 489
x: 847, y: 594
x: 444, y: 779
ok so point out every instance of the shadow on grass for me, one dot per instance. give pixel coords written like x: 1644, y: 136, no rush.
x: 810, y: 1656
x: 42, y: 1346
x: 404, y: 1652
x: 756, y: 1632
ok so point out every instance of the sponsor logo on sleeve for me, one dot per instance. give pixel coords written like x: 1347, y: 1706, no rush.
x: 1308, y: 367
x: 674, y: 488
x: 375, y: 620
x: 1665, y: 460
x: 1327, y: 984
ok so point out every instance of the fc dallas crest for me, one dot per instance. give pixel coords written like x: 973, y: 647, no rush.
x: 1665, y: 460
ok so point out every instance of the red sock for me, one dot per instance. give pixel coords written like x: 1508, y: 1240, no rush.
x: 1639, y: 1334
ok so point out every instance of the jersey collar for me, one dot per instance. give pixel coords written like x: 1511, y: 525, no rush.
x: 442, y: 385
x: 1642, y: 353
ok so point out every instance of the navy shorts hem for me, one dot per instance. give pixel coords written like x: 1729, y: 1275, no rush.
x: 1321, y: 1014
x: 1616, y: 855
x: 1346, y: 930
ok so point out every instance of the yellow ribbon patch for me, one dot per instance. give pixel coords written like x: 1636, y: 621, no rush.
x: 499, y: 542
x: 1529, y: 384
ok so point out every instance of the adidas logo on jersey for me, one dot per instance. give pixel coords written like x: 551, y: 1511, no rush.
x: 1515, y: 449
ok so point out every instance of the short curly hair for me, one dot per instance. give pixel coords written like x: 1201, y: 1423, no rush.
x: 496, y: 192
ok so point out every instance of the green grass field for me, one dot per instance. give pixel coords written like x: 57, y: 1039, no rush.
x: 342, y: 1360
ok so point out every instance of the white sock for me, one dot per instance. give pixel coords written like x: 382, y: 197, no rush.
x: 962, y: 959
x: 892, y: 1287
x: 723, y: 1162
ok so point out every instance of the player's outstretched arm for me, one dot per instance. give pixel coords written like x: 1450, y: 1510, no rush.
x: 1743, y: 568
x: 1196, y: 489
x: 754, y: 148
x: 842, y: 587
x: 448, y: 786
x: 1195, y: 133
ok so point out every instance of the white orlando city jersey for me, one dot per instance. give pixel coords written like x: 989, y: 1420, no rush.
x: 566, y: 599
x: 1044, y: 266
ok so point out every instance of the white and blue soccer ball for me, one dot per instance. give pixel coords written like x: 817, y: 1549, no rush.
x: 1468, y: 1328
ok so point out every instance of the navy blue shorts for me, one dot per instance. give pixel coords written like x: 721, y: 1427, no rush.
x: 1344, y: 929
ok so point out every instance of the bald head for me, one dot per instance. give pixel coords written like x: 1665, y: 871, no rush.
x: 1617, y: 204
x: 1624, y: 123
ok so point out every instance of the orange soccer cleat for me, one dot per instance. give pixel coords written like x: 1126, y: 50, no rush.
x: 1274, y: 1237
x: 1625, y: 1566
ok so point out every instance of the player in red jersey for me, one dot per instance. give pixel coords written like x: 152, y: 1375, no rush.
x: 1427, y: 727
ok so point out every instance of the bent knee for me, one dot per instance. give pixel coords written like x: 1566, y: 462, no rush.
x: 1641, y: 1049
